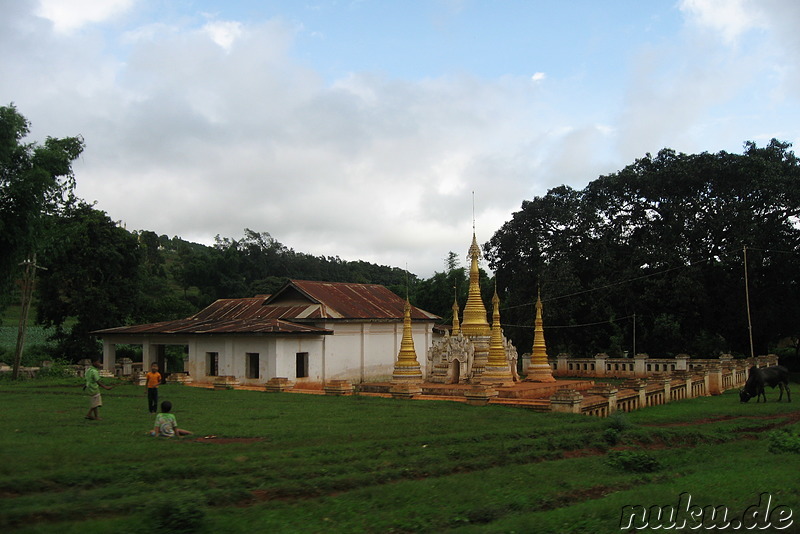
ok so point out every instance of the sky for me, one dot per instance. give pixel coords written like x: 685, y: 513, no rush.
x: 384, y: 130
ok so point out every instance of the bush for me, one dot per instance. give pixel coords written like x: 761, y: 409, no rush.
x: 58, y: 368
x: 35, y: 353
x: 784, y: 441
x: 634, y: 461
x: 618, y: 421
x: 179, y: 514
x: 611, y: 436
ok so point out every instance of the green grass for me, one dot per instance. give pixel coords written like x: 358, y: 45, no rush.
x: 307, y: 463
x: 36, y: 337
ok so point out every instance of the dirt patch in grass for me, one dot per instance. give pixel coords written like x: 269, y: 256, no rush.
x: 578, y: 495
x: 790, y: 418
x: 224, y: 441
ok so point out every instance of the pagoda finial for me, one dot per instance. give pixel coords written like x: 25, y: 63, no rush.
x: 407, y: 367
x: 456, y: 328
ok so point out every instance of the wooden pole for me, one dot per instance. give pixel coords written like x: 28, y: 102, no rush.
x: 28, y: 282
x: 27, y: 292
x: 747, y: 301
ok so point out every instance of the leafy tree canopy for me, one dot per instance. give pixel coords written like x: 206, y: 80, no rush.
x: 93, y: 279
x: 662, y: 241
x: 35, y: 181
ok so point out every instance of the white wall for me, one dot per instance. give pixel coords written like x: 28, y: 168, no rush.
x: 359, y: 352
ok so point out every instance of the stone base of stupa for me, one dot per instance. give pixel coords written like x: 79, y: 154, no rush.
x: 405, y: 389
x: 540, y: 373
x: 407, y: 374
x: 497, y: 376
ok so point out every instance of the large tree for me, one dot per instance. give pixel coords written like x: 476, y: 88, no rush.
x: 662, y: 241
x: 93, y: 279
x: 35, y: 181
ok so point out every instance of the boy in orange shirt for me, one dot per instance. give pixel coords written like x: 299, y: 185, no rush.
x: 153, y: 380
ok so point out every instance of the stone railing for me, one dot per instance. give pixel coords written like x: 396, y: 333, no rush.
x: 642, y: 365
x: 659, y: 388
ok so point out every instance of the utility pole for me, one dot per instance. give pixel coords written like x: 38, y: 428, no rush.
x: 28, y: 280
x: 747, y: 301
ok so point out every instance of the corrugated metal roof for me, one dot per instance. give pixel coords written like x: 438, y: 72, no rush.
x: 232, y: 326
x: 298, y: 301
x: 340, y: 300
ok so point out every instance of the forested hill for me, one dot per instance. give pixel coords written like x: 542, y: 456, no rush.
x: 99, y: 275
x: 256, y: 264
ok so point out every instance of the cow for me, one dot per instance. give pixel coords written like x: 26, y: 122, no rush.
x: 757, y: 379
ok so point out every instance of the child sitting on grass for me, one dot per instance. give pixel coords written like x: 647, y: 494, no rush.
x: 166, y: 425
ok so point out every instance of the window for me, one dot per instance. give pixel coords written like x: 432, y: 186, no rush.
x: 302, y: 365
x: 251, y: 361
x: 212, y: 363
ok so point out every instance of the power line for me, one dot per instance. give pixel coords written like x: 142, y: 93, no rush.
x: 619, y: 282
x: 610, y: 321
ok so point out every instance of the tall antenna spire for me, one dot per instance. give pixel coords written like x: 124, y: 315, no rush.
x: 473, y: 212
x: 406, y: 280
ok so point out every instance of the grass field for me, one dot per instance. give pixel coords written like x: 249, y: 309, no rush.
x: 305, y: 463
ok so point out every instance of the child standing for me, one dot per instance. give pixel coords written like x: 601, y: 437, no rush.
x: 153, y: 381
x: 92, y: 387
x: 166, y: 425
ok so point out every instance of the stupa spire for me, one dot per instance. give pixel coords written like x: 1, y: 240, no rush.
x: 539, y: 369
x: 407, y: 367
x: 456, y: 328
x: 474, y: 322
x: 497, y: 367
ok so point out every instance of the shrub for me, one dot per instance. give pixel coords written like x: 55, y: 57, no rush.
x: 611, y: 436
x: 179, y: 514
x: 57, y: 369
x: 35, y: 353
x: 618, y: 421
x: 784, y: 441
x: 634, y: 461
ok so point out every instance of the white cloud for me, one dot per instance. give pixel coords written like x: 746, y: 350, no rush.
x: 68, y: 16
x: 197, y: 127
x: 224, y: 33
x: 731, y: 18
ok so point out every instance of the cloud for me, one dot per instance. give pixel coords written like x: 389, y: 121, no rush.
x: 199, y: 126
x: 224, y: 33
x: 70, y: 16
x: 187, y: 137
x: 731, y: 18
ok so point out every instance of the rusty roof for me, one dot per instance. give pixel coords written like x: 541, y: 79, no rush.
x: 298, y: 301
x: 232, y: 326
x: 341, y: 300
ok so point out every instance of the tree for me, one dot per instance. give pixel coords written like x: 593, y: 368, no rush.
x: 663, y: 239
x: 93, y: 279
x: 35, y: 181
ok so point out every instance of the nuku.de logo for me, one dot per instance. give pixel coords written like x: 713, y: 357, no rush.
x: 685, y: 515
